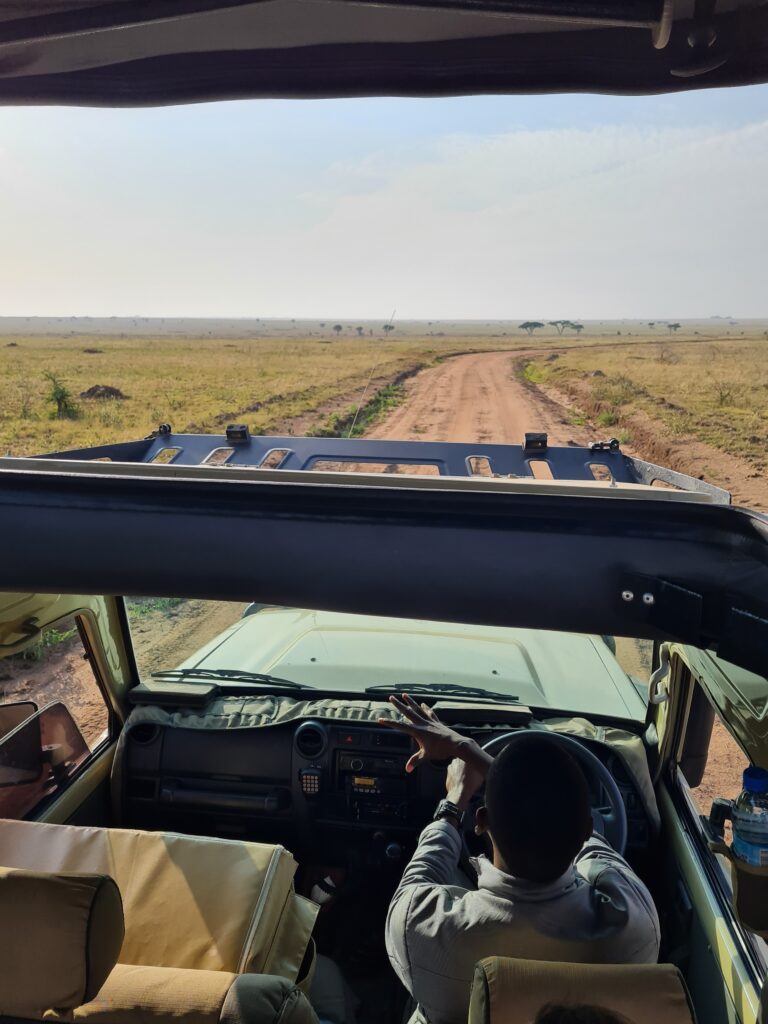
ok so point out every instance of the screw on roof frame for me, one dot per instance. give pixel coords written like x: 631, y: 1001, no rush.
x: 237, y: 433
x: 535, y: 443
x: 605, y: 446
x: 164, y: 428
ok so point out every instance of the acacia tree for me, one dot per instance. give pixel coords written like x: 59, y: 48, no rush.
x: 673, y: 328
x: 530, y: 326
x: 359, y: 331
x: 388, y: 328
x: 559, y: 325
x: 576, y: 327
x: 338, y: 328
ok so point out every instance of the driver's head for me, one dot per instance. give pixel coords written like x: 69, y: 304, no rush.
x: 537, y: 808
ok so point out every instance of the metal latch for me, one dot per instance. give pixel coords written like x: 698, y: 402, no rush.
x: 535, y: 442
x: 605, y: 446
x: 656, y: 695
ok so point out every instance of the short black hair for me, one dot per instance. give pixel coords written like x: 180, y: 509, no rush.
x: 538, y: 807
x: 552, y: 1014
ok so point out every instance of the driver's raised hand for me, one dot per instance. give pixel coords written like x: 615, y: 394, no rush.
x: 436, y: 740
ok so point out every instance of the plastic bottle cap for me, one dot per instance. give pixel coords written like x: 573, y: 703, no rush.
x: 755, y: 780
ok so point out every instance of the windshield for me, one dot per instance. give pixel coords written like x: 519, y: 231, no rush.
x: 262, y: 646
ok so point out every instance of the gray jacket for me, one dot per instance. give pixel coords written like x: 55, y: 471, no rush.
x: 597, y: 912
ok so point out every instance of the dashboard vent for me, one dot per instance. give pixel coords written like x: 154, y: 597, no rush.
x: 311, y: 739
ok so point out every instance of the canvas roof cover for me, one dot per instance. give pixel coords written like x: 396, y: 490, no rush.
x: 136, y: 52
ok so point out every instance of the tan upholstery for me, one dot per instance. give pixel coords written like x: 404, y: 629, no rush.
x: 195, y: 903
x: 170, y: 995
x: 509, y: 991
x: 147, y: 995
x: 61, y: 935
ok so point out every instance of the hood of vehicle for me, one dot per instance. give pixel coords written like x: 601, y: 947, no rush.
x: 338, y: 652
x: 129, y: 52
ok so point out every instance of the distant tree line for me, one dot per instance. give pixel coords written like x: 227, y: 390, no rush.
x: 560, y: 325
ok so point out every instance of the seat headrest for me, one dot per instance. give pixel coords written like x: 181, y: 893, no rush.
x: 507, y: 991
x: 64, y: 934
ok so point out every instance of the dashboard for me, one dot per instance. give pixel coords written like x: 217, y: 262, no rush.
x: 322, y: 785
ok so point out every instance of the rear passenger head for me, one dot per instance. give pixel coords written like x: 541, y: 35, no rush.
x: 537, y: 807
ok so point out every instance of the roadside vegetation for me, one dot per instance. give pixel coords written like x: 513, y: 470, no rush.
x: 58, y: 393
x: 62, y: 392
x: 714, y: 390
x: 354, y: 422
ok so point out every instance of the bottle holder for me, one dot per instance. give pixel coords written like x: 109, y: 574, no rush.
x: 750, y: 891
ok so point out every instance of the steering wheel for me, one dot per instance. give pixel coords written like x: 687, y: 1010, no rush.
x: 609, y: 821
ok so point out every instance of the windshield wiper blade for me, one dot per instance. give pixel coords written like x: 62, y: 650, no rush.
x: 232, y: 675
x: 440, y: 689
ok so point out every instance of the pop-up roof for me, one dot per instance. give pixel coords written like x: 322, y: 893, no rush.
x: 133, y: 52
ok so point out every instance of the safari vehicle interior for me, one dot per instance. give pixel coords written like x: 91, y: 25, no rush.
x: 214, y: 714
x: 228, y: 715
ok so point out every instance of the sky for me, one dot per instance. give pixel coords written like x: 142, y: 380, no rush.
x: 577, y: 207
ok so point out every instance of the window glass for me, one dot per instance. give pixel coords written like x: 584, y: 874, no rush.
x: 201, y: 641
x: 165, y: 631
x: 53, y: 667
x: 636, y: 658
x: 722, y: 776
x: 52, y: 716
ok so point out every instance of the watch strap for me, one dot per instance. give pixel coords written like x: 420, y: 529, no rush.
x: 447, y: 809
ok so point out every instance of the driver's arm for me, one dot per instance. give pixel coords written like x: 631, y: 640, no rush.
x: 432, y: 885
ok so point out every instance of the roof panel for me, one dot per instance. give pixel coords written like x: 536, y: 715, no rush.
x: 135, y: 53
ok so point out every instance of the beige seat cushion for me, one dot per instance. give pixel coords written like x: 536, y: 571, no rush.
x: 195, y: 903
x: 507, y: 991
x: 168, y: 995
x: 146, y: 995
x: 61, y: 935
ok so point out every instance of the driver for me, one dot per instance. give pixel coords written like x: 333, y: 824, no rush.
x: 553, y: 890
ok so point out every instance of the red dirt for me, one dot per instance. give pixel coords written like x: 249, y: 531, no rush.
x: 475, y: 398
x: 480, y: 398
x: 62, y: 675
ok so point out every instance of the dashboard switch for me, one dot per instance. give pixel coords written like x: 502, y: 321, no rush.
x: 310, y: 781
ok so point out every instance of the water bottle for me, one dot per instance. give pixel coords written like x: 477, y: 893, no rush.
x: 750, y: 819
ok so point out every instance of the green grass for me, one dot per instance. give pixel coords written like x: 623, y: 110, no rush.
x: 39, y: 648
x: 197, y: 385
x: 714, y: 389
x: 140, y: 607
x: 353, y: 423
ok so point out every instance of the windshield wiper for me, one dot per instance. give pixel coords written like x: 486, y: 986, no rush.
x: 439, y: 689
x: 231, y: 675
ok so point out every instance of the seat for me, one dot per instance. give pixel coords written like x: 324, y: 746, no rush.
x: 61, y: 936
x: 189, y: 903
x: 507, y: 991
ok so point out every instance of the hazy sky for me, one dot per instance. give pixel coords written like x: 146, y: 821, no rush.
x: 486, y: 207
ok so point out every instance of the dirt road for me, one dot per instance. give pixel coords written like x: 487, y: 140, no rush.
x: 479, y: 398
x: 473, y: 398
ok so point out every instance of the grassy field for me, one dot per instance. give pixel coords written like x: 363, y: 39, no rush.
x: 194, y: 384
x: 715, y: 390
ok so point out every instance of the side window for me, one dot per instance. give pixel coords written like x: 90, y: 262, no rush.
x: 52, y: 716
x: 725, y: 764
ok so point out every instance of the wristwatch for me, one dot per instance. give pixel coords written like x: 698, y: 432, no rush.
x: 448, y: 809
